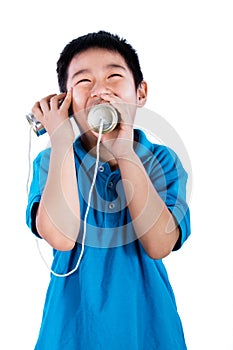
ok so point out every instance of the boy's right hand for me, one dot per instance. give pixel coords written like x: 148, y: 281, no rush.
x: 52, y: 111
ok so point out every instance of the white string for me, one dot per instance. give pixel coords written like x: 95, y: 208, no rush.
x: 86, y: 213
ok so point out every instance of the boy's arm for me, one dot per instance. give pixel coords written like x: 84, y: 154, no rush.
x: 153, y: 222
x: 57, y: 219
x: 58, y: 214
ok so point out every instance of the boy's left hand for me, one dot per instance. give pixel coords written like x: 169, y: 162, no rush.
x: 119, y: 142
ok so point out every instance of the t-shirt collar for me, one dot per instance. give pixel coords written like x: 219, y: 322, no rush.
x: 89, y: 160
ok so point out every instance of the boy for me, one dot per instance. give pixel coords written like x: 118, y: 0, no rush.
x: 118, y: 296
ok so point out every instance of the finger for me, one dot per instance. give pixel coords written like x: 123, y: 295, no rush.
x: 37, y: 111
x: 67, y: 100
x: 114, y: 100
x: 108, y: 97
x: 45, y: 103
x: 56, y: 101
x: 67, y: 103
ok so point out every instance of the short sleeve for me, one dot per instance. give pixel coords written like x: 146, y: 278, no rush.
x: 39, y: 177
x: 170, y: 180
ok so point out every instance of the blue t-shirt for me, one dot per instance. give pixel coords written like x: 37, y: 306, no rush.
x: 119, y: 298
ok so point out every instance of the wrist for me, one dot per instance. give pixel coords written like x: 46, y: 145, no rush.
x: 63, y: 134
x: 128, y: 155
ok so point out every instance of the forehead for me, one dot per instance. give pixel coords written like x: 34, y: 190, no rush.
x: 95, y: 58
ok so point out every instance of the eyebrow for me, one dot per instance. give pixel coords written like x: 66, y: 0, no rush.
x: 81, y: 71
x: 111, y: 65
x: 114, y: 65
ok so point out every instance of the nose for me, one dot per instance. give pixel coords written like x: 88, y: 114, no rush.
x: 99, y: 88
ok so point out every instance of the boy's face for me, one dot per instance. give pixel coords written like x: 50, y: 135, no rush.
x: 95, y: 73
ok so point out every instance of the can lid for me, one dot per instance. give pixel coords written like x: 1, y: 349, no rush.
x: 104, y: 112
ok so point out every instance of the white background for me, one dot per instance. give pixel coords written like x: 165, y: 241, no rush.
x: 185, y: 48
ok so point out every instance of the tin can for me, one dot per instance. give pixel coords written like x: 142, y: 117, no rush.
x: 105, y: 112
x: 37, y: 127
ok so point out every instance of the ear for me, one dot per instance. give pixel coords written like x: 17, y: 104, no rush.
x: 142, y: 94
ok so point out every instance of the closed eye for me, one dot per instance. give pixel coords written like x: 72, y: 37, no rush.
x: 83, y: 81
x: 115, y: 75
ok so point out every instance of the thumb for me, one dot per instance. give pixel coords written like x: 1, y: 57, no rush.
x: 67, y: 100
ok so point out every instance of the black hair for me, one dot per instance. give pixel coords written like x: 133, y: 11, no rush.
x: 104, y: 40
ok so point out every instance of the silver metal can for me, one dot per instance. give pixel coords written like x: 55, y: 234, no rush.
x: 37, y: 127
x: 105, y: 112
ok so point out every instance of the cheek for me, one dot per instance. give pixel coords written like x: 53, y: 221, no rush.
x: 128, y: 93
x: 78, y: 100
